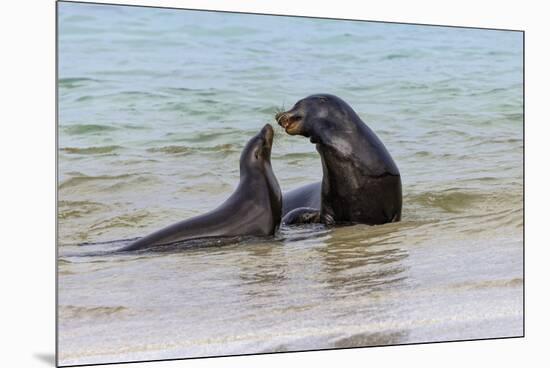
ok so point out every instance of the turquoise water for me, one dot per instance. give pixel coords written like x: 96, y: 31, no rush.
x: 155, y: 106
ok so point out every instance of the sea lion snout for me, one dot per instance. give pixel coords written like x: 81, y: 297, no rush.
x: 288, y: 121
x: 281, y: 118
x: 268, y: 133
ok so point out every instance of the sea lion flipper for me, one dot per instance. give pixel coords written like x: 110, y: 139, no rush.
x: 302, y: 215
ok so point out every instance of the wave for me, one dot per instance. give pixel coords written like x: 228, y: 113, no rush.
x: 170, y: 149
x: 503, y: 283
x: 130, y: 220
x: 78, y: 179
x: 514, y: 116
x: 73, y: 311
x: 449, y: 200
x: 447, y: 132
x: 90, y: 150
x: 78, y: 129
x: 423, y: 154
x: 180, y: 149
x: 297, y: 155
x: 503, y: 142
x: 225, y: 134
x: 396, y: 56
x: 467, y: 212
x: 74, y: 209
x: 74, y: 82
x: 455, y: 200
x: 130, y: 94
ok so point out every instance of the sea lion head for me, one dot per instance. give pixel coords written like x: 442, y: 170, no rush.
x: 257, y: 152
x: 255, y: 165
x: 317, y: 117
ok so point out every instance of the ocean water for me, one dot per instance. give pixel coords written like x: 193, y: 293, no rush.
x: 155, y: 106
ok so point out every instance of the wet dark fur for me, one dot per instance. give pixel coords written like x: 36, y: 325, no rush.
x: 253, y: 209
x: 361, y: 183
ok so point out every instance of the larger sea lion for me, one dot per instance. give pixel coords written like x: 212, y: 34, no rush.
x: 361, y: 183
x: 308, y: 196
x: 254, y: 209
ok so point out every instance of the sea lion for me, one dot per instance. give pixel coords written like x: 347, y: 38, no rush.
x: 361, y: 183
x: 308, y: 195
x: 254, y: 208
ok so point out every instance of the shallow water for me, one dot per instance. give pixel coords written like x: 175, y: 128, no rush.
x: 154, y: 109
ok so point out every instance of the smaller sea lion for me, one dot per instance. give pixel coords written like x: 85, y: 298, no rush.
x: 254, y: 209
